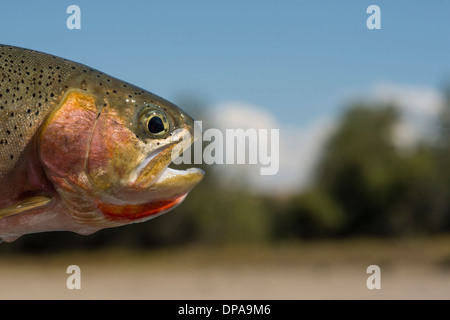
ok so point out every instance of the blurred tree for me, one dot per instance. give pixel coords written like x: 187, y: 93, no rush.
x: 418, y: 207
x: 365, y: 185
x: 442, y: 153
x: 360, y: 166
x: 311, y: 214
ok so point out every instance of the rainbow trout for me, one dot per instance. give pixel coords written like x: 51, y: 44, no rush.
x: 81, y: 150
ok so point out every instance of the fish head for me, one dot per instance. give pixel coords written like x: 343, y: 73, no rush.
x: 107, y: 152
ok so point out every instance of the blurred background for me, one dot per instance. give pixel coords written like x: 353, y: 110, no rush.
x: 364, y: 122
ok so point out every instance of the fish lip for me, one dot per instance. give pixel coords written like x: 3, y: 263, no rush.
x: 140, y: 169
x: 138, y: 212
x: 170, y: 172
x: 155, y: 169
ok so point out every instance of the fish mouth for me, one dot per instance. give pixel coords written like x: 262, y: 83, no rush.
x: 154, y: 188
x: 154, y: 169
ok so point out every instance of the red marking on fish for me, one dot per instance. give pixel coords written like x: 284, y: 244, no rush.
x: 137, y: 211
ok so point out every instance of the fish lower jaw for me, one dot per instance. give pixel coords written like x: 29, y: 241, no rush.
x: 171, y: 173
x: 138, y: 212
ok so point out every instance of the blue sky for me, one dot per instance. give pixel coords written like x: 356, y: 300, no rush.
x: 296, y: 59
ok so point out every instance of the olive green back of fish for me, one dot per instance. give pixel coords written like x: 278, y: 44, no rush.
x: 30, y: 86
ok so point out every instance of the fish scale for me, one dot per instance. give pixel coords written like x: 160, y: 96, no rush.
x: 30, y: 85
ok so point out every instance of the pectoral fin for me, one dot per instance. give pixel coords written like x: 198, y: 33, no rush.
x: 25, y: 205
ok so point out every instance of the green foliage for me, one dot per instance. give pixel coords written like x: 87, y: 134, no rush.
x: 313, y: 214
x: 370, y: 184
x: 360, y: 166
x: 231, y: 217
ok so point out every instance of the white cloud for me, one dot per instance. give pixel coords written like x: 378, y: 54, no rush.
x: 299, y: 148
x: 419, y: 109
x: 419, y: 100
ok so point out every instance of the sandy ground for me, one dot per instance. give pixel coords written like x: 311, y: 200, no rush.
x: 411, y: 270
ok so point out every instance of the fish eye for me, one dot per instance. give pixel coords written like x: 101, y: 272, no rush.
x: 155, y: 123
